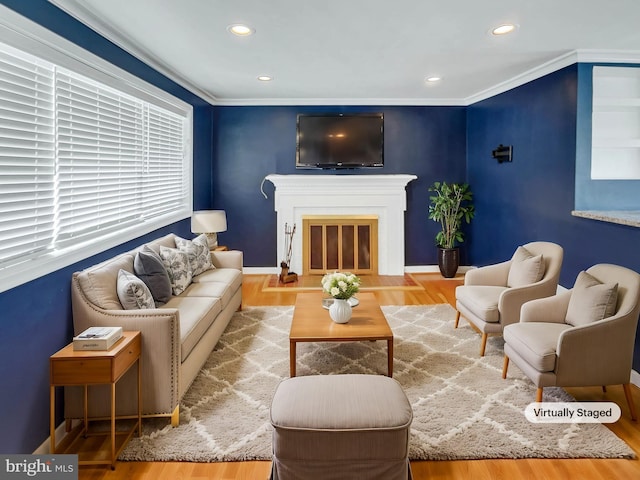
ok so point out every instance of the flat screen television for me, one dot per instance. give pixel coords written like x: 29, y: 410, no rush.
x: 340, y: 141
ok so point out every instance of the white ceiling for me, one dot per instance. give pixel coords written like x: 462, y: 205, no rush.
x: 362, y: 51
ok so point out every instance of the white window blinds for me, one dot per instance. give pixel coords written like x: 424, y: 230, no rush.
x: 27, y: 159
x: 80, y: 160
x: 100, y: 157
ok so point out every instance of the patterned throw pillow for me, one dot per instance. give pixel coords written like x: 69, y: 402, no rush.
x: 132, y: 292
x: 198, y: 252
x: 177, y: 264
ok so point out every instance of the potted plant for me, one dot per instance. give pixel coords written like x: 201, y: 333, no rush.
x: 450, y: 205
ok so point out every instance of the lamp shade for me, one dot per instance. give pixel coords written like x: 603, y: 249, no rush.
x: 209, y: 221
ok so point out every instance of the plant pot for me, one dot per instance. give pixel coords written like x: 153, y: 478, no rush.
x: 448, y: 261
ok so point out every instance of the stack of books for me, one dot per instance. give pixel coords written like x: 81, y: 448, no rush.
x: 97, y: 338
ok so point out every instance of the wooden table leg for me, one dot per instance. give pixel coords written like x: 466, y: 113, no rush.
x: 292, y: 358
x: 390, y: 357
x: 52, y: 420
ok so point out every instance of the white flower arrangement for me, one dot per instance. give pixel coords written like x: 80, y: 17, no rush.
x: 341, y: 285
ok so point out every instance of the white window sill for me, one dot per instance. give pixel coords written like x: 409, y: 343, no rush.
x: 630, y: 218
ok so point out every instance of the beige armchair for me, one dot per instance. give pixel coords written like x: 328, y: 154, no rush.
x: 581, y: 337
x: 491, y: 296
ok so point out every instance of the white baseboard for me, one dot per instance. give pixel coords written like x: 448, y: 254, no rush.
x: 45, y: 447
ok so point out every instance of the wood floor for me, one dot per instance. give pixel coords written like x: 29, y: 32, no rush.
x: 436, y: 290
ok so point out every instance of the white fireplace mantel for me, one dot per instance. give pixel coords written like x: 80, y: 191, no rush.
x: 380, y: 195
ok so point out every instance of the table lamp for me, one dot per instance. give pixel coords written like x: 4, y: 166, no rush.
x: 209, y: 222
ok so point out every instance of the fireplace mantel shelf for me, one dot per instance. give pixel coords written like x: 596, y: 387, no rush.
x: 380, y: 195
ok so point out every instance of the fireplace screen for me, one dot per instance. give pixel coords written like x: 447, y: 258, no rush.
x: 343, y: 243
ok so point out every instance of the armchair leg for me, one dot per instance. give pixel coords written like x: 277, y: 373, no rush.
x: 629, y: 396
x: 457, y: 319
x: 483, y: 345
x: 505, y: 367
x: 539, y: 395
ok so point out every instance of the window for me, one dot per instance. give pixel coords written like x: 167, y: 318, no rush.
x: 84, y: 165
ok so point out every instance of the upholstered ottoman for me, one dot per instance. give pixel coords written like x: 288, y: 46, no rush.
x: 331, y: 427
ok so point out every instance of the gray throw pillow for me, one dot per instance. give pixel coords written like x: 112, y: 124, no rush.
x: 198, y: 252
x: 526, y: 268
x: 132, y: 292
x: 148, y: 266
x: 177, y: 264
x: 591, y: 300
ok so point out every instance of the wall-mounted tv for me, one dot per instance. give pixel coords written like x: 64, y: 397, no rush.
x: 340, y: 141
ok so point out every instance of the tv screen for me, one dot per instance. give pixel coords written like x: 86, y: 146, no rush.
x: 340, y: 141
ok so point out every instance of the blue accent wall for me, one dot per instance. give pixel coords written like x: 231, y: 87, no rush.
x: 36, y: 317
x: 532, y: 197
x: 252, y: 142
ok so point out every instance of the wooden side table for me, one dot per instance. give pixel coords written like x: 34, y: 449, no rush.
x: 69, y: 367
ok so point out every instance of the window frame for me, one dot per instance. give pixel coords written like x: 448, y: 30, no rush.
x: 25, y: 35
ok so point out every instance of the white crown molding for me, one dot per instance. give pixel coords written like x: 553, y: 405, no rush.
x: 78, y: 11
x: 413, y: 102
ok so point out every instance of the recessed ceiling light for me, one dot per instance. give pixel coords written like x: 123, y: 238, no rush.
x: 433, y: 79
x: 504, y: 29
x: 241, y: 30
x: 265, y: 78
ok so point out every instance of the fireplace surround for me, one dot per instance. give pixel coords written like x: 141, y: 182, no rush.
x: 381, y: 195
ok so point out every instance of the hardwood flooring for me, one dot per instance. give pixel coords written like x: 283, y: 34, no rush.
x: 436, y: 290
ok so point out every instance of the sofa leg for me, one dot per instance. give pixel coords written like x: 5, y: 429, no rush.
x: 604, y: 389
x: 539, y: 395
x: 457, y: 319
x: 483, y: 345
x: 505, y: 367
x: 175, y: 416
x: 632, y: 407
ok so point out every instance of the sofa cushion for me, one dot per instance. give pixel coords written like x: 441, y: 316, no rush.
x: 228, y: 276
x: 220, y: 290
x: 196, y: 316
x: 133, y: 293
x: 536, y: 342
x: 198, y: 252
x: 98, y: 283
x: 481, y: 300
x: 148, y: 266
x: 526, y: 268
x: 591, y: 300
x: 178, y: 267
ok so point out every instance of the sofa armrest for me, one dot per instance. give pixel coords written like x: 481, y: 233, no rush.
x: 495, y: 275
x: 512, y: 300
x: 551, y: 309
x: 227, y: 259
x: 160, y: 331
x: 599, y: 353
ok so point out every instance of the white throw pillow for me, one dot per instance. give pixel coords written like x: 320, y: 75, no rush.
x: 526, y: 268
x: 591, y: 300
x: 133, y: 293
x: 178, y: 267
x: 198, y: 252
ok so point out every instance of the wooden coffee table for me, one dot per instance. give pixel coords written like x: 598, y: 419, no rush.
x: 311, y: 323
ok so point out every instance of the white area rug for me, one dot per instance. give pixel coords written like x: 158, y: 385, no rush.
x: 463, y: 409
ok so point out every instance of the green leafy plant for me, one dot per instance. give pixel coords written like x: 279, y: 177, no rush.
x: 450, y: 205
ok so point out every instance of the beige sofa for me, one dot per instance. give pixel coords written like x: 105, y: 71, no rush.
x: 177, y: 337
